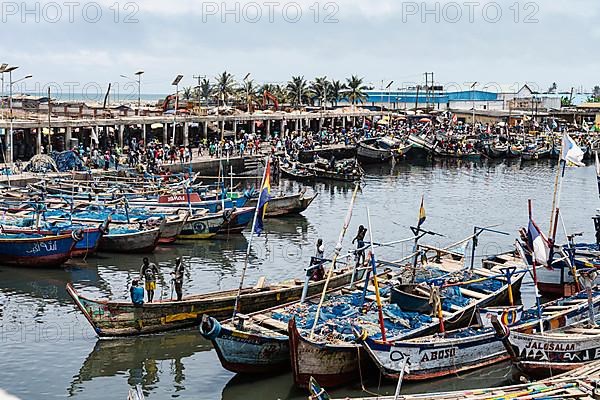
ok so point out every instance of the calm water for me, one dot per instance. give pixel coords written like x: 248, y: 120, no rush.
x: 48, y: 350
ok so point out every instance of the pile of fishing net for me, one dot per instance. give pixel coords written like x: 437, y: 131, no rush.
x: 41, y: 163
x: 68, y: 161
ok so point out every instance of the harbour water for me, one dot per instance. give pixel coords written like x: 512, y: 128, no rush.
x: 49, y: 351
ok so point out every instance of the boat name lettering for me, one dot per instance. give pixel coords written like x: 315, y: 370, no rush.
x: 438, y: 354
x: 39, y: 246
x: 548, y: 346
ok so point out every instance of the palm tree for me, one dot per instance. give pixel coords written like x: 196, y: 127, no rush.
x: 225, y: 87
x: 188, y: 92
x: 298, y: 90
x: 337, y: 88
x: 206, y: 89
x: 248, y: 93
x: 320, y: 90
x: 356, y: 89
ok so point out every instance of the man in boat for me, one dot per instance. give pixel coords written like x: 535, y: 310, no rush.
x: 137, y: 293
x: 178, y: 277
x: 149, y: 272
x: 318, y: 272
x: 360, y: 243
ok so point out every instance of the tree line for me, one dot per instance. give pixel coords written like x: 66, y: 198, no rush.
x: 225, y: 90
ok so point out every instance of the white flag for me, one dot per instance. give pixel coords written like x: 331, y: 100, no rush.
x: 95, y: 136
x: 571, y: 153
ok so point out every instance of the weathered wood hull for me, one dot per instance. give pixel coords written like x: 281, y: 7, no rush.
x: 236, y: 221
x: 368, y: 153
x: 247, y: 353
x: 86, y: 246
x: 203, y: 227
x: 170, y: 230
x: 434, y: 357
x: 332, y: 366
x: 286, y: 205
x: 119, y: 318
x: 47, y: 251
x: 438, y: 357
x: 298, y: 175
x: 138, y: 242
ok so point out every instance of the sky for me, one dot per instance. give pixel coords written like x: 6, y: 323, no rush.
x: 81, y: 47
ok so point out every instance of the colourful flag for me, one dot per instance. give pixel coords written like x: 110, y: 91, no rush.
x: 539, y: 245
x: 571, y: 153
x: 263, y: 199
x: 422, y: 215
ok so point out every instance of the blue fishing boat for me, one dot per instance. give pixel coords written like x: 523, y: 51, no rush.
x: 36, y: 250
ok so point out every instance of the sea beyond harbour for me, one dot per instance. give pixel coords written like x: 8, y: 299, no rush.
x: 49, y: 351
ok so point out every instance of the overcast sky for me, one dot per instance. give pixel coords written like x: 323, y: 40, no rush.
x: 502, y: 42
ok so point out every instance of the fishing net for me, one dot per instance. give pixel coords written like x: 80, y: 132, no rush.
x: 41, y: 163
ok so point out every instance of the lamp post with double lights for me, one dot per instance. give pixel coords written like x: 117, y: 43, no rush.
x: 139, y: 87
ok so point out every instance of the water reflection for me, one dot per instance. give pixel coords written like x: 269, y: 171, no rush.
x: 142, y: 360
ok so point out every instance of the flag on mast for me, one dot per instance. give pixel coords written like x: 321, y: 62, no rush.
x: 571, y: 153
x: 422, y: 214
x: 539, y: 245
x: 263, y: 199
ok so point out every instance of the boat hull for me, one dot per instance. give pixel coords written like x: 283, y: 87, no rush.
x: 138, y: 242
x: 286, y: 205
x: 331, y: 366
x: 114, y: 318
x: 48, y: 251
x: 247, y: 353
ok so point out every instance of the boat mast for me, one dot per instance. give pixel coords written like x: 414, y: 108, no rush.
x: 375, y: 281
x: 338, y: 248
x: 239, y: 292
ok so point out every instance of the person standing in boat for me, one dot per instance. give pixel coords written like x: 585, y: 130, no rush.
x: 178, y: 277
x: 318, y: 272
x: 360, y: 243
x: 137, y: 293
x: 149, y: 272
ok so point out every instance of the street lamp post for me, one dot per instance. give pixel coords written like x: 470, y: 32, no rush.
x: 11, y: 132
x: 2, y: 71
x: 176, y: 84
x: 245, y: 80
x: 139, y: 87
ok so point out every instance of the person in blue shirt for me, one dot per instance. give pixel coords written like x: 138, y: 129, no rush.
x: 137, y: 293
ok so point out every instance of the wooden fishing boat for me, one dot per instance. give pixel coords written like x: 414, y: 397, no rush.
x: 515, y: 151
x: 541, y: 354
x: 377, y: 150
x: 36, y: 250
x: 171, y: 228
x: 297, y: 173
x: 286, y: 204
x: 498, y: 150
x: 412, y: 297
x: 89, y: 236
x: 259, y: 343
x: 577, y: 384
x: 122, y: 318
x: 130, y: 240
x: 335, y: 362
x: 466, y: 349
x: 335, y: 175
x: 235, y: 220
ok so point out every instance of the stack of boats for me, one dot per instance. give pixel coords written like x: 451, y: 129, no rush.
x: 51, y: 221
